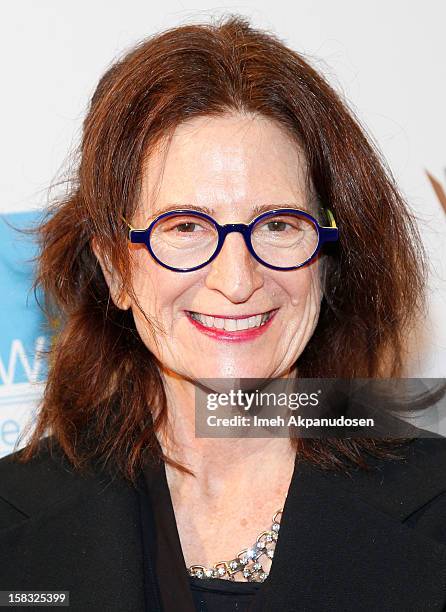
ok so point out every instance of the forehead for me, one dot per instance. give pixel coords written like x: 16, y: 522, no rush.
x: 230, y: 161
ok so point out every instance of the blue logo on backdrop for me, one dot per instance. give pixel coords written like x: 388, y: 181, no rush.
x: 22, y: 335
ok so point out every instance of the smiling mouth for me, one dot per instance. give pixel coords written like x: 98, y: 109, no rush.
x: 232, y: 324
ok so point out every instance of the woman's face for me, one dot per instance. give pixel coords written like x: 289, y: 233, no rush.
x: 228, y: 164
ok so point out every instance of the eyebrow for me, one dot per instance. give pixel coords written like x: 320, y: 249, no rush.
x: 257, y: 210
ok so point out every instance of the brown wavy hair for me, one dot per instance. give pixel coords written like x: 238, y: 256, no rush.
x: 104, y: 398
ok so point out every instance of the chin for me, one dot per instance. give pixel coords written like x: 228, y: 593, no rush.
x: 234, y: 373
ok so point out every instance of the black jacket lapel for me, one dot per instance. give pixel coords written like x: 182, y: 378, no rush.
x: 343, y: 544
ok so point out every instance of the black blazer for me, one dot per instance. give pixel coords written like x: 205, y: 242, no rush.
x: 370, y: 542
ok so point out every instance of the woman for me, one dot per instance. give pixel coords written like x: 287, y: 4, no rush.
x: 201, y: 127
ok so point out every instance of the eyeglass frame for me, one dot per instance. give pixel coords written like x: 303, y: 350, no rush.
x: 326, y: 233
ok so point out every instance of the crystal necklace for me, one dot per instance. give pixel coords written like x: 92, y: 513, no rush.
x: 247, y: 561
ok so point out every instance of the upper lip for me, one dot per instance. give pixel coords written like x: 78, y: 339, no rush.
x: 245, y: 316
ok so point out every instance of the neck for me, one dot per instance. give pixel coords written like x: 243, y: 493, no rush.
x: 215, y: 461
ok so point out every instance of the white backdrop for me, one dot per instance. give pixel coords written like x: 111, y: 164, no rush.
x: 387, y: 58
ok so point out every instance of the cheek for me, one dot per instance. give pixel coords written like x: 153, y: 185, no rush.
x: 304, y: 288
x: 157, y: 290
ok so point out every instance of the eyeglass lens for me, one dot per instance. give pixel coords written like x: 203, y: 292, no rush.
x: 186, y: 241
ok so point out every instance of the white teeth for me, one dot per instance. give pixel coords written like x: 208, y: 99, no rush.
x: 252, y: 321
x: 243, y: 324
x: 219, y: 323
x: 231, y: 324
x: 208, y: 321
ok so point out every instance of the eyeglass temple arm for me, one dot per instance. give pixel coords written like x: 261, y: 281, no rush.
x: 126, y: 222
x: 330, y: 218
x: 330, y: 232
x: 135, y: 235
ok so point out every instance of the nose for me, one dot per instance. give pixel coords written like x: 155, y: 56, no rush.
x: 234, y: 272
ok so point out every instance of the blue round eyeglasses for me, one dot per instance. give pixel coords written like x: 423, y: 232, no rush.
x: 185, y: 240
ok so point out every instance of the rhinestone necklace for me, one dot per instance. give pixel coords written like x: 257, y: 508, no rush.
x: 247, y: 561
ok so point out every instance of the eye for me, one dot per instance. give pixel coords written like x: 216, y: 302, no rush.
x: 182, y: 225
x: 282, y: 224
x: 183, y: 231
x: 277, y: 226
x: 189, y: 227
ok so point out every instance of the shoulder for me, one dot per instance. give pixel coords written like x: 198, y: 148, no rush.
x: 63, y: 526
x: 47, y: 479
x: 399, y: 487
x: 410, y: 489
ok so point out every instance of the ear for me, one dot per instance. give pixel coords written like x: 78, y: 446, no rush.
x: 120, y: 298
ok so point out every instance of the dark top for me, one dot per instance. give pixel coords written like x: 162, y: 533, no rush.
x: 370, y: 541
x: 174, y: 582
